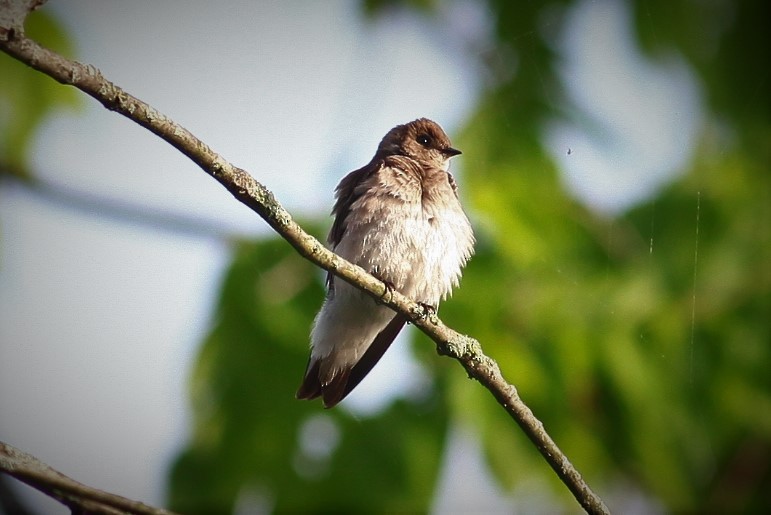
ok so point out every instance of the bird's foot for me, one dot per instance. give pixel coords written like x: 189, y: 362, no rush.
x: 388, y: 289
x: 427, y: 311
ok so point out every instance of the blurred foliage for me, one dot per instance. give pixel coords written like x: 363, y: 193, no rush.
x: 644, y: 359
x: 641, y: 341
x: 30, y: 97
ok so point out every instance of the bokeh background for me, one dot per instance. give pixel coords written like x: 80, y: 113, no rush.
x: 615, y: 167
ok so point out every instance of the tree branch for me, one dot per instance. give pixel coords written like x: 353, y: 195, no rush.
x: 117, y: 210
x: 247, y: 190
x: 77, y: 496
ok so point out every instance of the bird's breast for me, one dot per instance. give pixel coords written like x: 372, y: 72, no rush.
x: 418, y: 241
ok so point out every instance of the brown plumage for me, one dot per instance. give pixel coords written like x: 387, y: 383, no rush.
x: 398, y: 217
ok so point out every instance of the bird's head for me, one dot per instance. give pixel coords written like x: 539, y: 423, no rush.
x: 422, y: 140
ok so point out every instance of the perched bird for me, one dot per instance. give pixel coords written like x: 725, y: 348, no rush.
x: 398, y: 217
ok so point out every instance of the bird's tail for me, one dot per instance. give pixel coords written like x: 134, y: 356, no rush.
x: 340, y: 384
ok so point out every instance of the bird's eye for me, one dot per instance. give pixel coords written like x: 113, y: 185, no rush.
x: 424, y: 139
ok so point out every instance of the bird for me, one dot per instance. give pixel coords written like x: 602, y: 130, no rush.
x: 400, y: 218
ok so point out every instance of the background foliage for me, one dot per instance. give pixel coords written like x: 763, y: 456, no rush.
x: 641, y: 341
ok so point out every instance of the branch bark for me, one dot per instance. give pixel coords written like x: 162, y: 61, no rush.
x: 466, y: 350
x: 78, y: 497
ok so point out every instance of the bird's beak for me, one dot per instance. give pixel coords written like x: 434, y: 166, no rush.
x: 449, y: 152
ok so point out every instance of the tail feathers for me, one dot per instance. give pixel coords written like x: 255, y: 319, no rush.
x: 331, y: 392
x: 346, y: 379
x: 311, y: 386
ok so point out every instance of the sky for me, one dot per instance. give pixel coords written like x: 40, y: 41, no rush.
x: 100, y: 319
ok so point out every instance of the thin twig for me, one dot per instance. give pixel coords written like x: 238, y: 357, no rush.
x: 128, y: 213
x: 257, y: 197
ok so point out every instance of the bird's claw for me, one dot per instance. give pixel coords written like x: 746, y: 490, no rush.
x: 388, y: 291
x: 427, y: 311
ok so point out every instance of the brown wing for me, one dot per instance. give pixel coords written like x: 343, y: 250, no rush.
x: 346, y: 194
